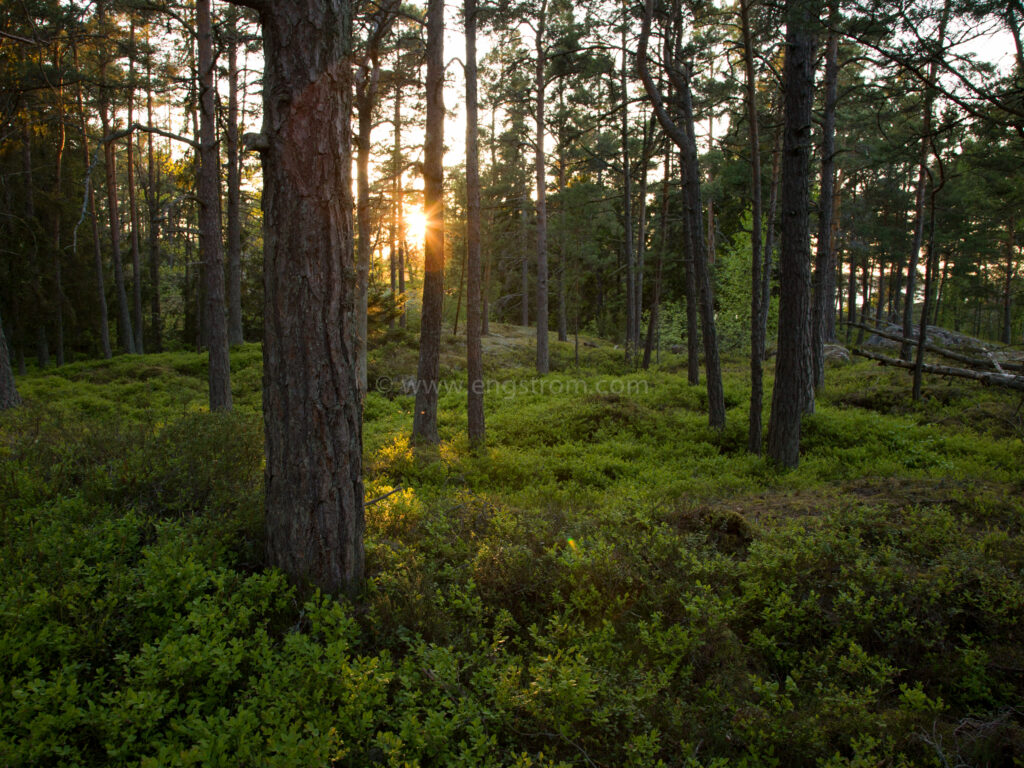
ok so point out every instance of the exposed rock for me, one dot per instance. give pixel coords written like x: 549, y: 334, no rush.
x: 837, y: 354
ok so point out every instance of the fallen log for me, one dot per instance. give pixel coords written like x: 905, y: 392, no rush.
x: 942, y: 351
x: 985, y: 377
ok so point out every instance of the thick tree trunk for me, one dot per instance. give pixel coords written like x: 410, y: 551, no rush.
x: 757, y: 334
x: 424, y: 424
x: 311, y: 409
x: 542, y: 205
x: 824, y: 269
x: 793, y: 366
x: 234, y: 181
x: 9, y: 397
x: 208, y: 187
x: 474, y: 353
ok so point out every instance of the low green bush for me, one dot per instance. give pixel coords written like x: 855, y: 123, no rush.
x: 608, y: 582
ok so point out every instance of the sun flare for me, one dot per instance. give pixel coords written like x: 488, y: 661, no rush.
x: 415, y: 225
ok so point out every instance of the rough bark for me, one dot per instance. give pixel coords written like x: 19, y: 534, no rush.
x: 311, y: 409
x: 474, y: 352
x: 424, y: 425
x: 793, y: 365
x: 208, y: 188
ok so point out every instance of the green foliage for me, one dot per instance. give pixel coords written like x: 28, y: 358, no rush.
x: 732, y: 296
x: 609, y: 582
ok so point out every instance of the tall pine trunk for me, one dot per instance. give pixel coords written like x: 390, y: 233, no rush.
x: 474, y: 353
x: 424, y: 424
x: 793, y: 365
x: 627, y: 199
x: 701, y: 269
x: 366, y: 96
x: 153, y: 205
x: 824, y: 268
x: 209, y: 217
x: 124, y: 326
x: 101, y: 293
x: 653, y: 320
x: 524, y: 267
x: 542, y: 205
x: 133, y: 207
x: 1011, y: 268
x: 58, y: 280
x: 234, y: 181
x: 757, y: 331
x: 921, y: 191
x: 311, y: 409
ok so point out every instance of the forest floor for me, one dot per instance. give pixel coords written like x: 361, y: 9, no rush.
x: 608, y: 583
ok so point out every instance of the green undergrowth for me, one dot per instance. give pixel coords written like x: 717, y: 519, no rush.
x: 608, y: 583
